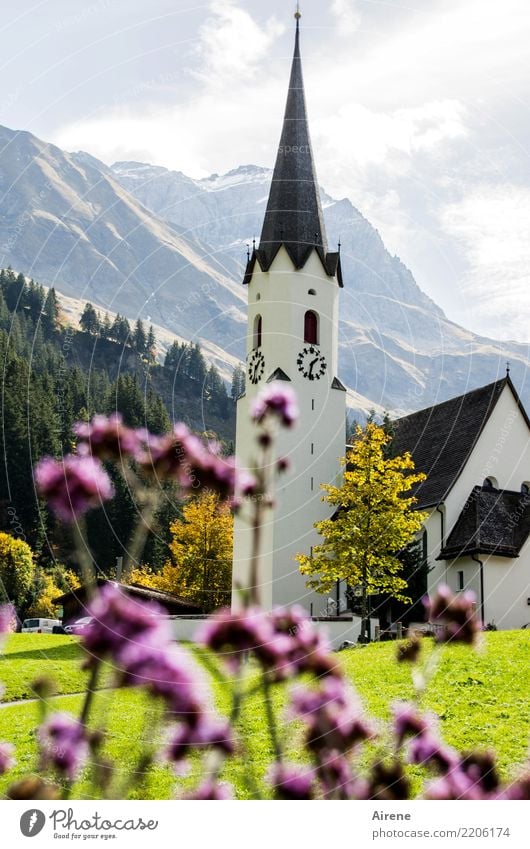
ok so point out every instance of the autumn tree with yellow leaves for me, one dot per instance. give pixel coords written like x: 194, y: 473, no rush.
x: 374, y: 520
x: 200, y: 568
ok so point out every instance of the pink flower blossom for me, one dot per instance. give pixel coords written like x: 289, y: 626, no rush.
x: 73, y: 485
x: 278, y: 401
x: 107, y: 438
x: 456, y: 614
x: 64, y: 744
x: 7, y: 761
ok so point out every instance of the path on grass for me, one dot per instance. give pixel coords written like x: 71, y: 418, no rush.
x: 51, y: 698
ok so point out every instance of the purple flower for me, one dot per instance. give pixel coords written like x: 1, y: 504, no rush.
x: 408, y: 722
x: 459, y: 784
x: 124, y: 629
x: 211, y: 791
x: 276, y: 400
x: 7, y: 761
x: 388, y: 782
x: 137, y: 638
x: 214, y: 734
x: 233, y: 634
x: 284, y: 642
x: 108, y: 438
x: 73, y: 485
x: 8, y: 618
x: 425, y: 746
x: 183, y: 457
x: 517, y: 791
x: 64, y: 744
x: 428, y: 750
x: 456, y: 614
x: 335, y: 774
x: 332, y: 714
x: 291, y: 781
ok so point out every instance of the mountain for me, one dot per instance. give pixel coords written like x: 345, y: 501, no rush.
x: 154, y: 243
x: 66, y: 221
x: 397, y: 346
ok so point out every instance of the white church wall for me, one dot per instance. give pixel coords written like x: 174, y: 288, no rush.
x: 507, y: 589
x: 314, y: 447
x: 503, y: 453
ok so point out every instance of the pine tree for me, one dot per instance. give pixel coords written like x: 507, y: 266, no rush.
x: 139, y: 338
x: 51, y: 312
x: 120, y: 330
x: 195, y: 365
x: 105, y: 327
x: 89, y: 321
x: 173, y: 357
x: 238, y: 383
x: 151, y: 343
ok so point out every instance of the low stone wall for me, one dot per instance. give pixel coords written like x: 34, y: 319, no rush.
x: 338, y: 629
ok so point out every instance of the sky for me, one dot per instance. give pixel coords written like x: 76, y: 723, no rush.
x: 419, y: 112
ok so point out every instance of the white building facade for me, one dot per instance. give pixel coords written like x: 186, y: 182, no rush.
x: 475, y: 450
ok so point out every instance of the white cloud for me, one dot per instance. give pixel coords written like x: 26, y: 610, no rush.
x: 347, y: 14
x: 402, y: 115
x: 232, y: 43
x: 369, y: 137
x: 492, y: 224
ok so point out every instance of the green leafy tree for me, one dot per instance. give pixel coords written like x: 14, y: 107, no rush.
x: 373, y: 522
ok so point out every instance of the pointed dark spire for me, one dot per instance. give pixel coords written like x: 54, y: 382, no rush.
x: 294, y: 213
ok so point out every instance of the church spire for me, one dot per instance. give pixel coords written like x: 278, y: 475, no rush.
x: 294, y: 213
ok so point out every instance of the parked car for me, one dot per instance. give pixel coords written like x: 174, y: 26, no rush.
x: 39, y: 626
x: 79, y: 626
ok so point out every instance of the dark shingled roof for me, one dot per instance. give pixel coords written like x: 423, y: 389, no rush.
x: 492, y: 522
x: 147, y: 593
x: 441, y: 438
x: 294, y: 216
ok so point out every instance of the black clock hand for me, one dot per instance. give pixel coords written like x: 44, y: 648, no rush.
x: 312, y: 365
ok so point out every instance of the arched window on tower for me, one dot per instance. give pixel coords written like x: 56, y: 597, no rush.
x: 311, y: 327
x: 258, y: 327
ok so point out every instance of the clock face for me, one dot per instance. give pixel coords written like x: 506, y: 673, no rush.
x: 256, y: 366
x: 311, y: 363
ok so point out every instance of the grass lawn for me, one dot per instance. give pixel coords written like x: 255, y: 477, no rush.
x: 28, y: 656
x: 482, y: 699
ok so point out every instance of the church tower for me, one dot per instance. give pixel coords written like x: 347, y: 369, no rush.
x: 293, y: 300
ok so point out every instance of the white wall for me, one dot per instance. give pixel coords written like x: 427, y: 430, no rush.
x: 313, y: 448
x: 502, y: 452
x: 337, y: 631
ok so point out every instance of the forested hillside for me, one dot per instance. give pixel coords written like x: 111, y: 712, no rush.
x: 54, y: 375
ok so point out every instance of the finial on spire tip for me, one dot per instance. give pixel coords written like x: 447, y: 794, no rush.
x: 298, y: 13
x: 508, y: 364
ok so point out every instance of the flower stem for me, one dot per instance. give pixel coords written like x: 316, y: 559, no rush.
x: 84, y: 556
x: 271, y: 718
x: 89, y: 696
